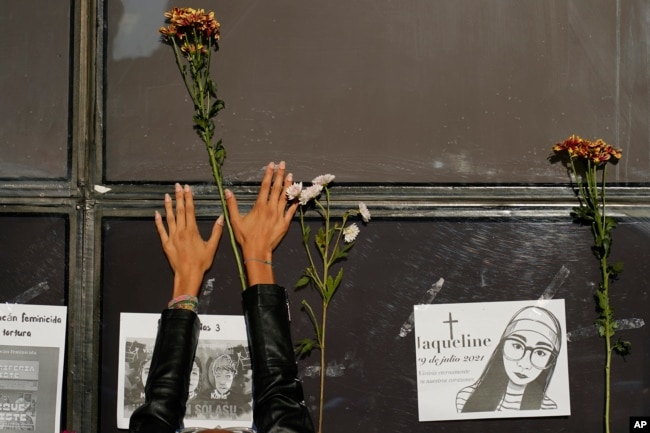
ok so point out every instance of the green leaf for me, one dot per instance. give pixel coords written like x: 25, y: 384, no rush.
x: 622, y: 347
x: 610, y: 223
x: 321, y: 240
x: 332, y: 284
x: 602, y: 328
x: 616, y: 268
x: 200, y: 122
x: 337, y: 281
x: 218, y: 146
x: 217, y: 106
x: 211, y: 87
x: 332, y: 232
x: 219, y: 152
x: 342, y: 253
x: 339, y: 255
x: 302, y: 282
x: 598, y: 251
x: 210, y: 127
x: 304, y: 347
x: 305, y: 234
x: 582, y: 215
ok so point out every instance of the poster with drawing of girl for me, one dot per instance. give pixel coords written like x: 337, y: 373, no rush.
x: 219, y: 391
x: 492, y: 360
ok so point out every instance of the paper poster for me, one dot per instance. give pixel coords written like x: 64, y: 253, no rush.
x: 491, y: 360
x: 31, y: 367
x: 220, y: 391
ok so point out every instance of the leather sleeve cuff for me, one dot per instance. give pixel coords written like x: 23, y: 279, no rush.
x: 265, y: 295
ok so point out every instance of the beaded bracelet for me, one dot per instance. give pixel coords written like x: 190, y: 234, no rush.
x: 184, y: 302
x: 266, y: 262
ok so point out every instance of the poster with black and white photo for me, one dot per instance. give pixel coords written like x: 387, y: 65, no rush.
x: 220, y: 392
x: 491, y: 360
x: 31, y: 367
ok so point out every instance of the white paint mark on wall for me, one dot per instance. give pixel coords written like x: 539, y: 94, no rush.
x: 208, y: 288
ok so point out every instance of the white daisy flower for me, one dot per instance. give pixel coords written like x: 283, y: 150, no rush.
x: 323, y: 179
x: 365, y: 213
x: 294, y: 190
x: 309, y: 193
x: 350, y: 233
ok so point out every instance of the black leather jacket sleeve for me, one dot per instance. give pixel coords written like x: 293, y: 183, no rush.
x: 169, y: 377
x: 277, y: 393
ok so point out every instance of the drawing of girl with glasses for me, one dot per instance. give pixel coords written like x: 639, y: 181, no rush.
x: 520, y: 369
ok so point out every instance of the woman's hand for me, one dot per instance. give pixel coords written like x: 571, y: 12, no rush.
x: 262, y: 229
x: 188, y: 254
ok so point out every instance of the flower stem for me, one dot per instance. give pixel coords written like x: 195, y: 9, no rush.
x: 326, y: 297
x: 595, y: 200
x: 314, y: 275
x: 608, y: 363
x: 607, y: 318
x: 323, y: 371
x: 586, y: 158
x: 218, y: 177
x: 198, y: 87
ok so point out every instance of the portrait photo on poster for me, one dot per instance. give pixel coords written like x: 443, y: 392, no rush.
x: 220, y: 391
x: 491, y: 360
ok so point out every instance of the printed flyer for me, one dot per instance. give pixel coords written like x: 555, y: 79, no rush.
x: 31, y: 367
x: 491, y: 360
x: 220, y: 392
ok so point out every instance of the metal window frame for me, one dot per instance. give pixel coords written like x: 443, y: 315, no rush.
x: 76, y: 197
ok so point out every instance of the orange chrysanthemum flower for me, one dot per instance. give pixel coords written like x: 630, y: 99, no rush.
x: 597, y: 151
x: 191, y: 27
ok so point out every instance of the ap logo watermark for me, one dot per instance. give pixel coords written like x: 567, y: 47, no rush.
x: 639, y: 423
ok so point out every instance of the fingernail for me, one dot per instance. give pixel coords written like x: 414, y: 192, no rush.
x: 177, y: 187
x: 282, y: 165
x: 272, y: 165
x: 156, y: 215
x: 167, y: 197
x: 220, y: 220
x: 290, y: 177
x: 228, y: 193
x: 187, y: 188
